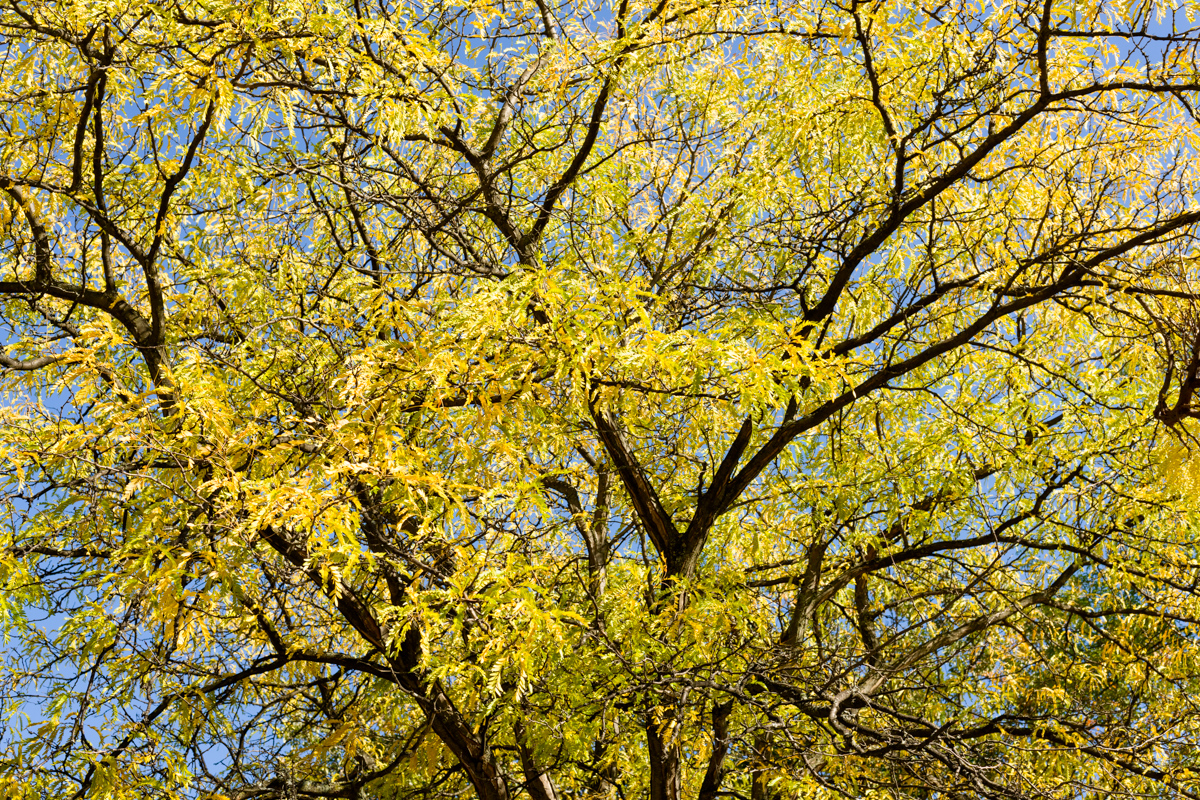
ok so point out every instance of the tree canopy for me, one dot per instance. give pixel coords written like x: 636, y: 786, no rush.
x: 664, y: 398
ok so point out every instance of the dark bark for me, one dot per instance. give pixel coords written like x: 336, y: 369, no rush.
x: 662, y: 741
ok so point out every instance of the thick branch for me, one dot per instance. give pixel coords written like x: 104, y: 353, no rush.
x: 651, y: 513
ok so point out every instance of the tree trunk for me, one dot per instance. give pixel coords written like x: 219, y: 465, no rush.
x: 663, y: 743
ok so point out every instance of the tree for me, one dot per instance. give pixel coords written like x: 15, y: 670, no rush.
x: 658, y: 399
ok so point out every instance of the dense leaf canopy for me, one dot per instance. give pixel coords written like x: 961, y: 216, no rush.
x: 668, y: 399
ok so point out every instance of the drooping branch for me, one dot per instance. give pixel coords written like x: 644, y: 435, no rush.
x: 44, y: 283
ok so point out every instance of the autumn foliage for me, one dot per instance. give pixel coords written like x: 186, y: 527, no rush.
x: 657, y: 399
